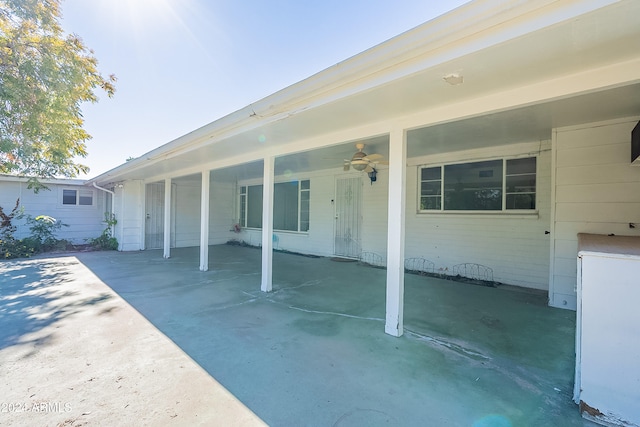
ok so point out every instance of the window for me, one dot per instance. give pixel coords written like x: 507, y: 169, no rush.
x: 254, y: 206
x: 290, y: 206
x: 77, y: 197
x: 492, y: 185
x: 521, y: 183
x: 243, y: 206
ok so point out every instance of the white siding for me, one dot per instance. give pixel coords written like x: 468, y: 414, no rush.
x: 222, y: 212
x: 319, y: 239
x: 84, y: 222
x: 516, y: 247
x: 596, y: 190
x: 375, y: 213
x: 187, y: 215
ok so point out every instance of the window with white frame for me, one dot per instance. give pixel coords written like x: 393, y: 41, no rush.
x: 290, y: 206
x: 489, y: 185
x: 77, y: 197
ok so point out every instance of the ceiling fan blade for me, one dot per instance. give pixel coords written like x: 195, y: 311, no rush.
x: 386, y: 162
x: 369, y: 169
x: 359, y: 162
x: 374, y: 157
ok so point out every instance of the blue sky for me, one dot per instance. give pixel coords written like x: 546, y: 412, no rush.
x: 181, y: 64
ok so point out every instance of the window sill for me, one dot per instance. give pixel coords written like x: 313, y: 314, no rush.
x: 476, y: 214
x: 302, y: 233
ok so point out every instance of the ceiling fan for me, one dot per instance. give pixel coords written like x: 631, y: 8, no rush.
x: 362, y: 161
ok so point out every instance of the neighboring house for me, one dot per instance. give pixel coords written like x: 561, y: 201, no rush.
x: 506, y: 125
x: 81, y: 207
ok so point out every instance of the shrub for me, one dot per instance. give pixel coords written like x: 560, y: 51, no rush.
x: 6, y: 220
x: 43, y: 230
x: 10, y: 247
x: 106, y: 241
x: 42, y: 238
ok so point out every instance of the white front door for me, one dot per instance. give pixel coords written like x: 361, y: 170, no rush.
x: 348, y: 217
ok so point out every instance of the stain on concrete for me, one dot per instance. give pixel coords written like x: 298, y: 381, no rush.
x: 320, y: 327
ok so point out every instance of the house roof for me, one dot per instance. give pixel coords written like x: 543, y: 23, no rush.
x: 52, y: 181
x: 527, y: 67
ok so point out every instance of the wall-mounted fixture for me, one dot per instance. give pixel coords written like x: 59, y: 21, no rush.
x: 453, y: 79
x: 373, y: 176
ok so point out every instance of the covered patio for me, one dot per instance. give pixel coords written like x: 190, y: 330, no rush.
x: 311, y: 353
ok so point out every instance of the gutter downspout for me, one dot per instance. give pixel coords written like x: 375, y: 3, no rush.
x: 113, y: 198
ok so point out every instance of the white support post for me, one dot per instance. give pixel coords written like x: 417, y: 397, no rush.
x: 395, y: 233
x: 167, y: 218
x: 204, y: 222
x: 267, y: 224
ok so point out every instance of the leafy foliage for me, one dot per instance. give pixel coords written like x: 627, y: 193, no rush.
x: 106, y: 241
x: 43, y: 233
x: 10, y: 247
x: 6, y: 220
x: 45, y: 76
x: 43, y: 238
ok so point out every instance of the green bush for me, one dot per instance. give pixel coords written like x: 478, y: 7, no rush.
x: 43, y: 229
x: 13, y: 248
x: 43, y: 233
x: 106, y: 241
x: 10, y: 247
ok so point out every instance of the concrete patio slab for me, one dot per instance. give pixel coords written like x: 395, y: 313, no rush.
x: 74, y: 353
x: 312, y: 352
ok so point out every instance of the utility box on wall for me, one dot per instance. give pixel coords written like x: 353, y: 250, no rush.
x: 607, y: 383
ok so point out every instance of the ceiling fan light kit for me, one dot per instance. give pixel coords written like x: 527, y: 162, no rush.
x: 360, y: 161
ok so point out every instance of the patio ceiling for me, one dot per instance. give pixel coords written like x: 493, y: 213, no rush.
x: 537, y: 68
x: 526, y: 124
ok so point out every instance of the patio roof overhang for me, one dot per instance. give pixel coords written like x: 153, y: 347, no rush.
x: 527, y: 67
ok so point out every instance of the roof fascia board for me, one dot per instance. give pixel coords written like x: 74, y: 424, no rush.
x: 52, y: 181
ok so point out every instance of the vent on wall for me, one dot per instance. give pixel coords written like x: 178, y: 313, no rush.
x: 635, y: 145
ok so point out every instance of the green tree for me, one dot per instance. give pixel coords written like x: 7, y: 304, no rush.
x: 45, y: 76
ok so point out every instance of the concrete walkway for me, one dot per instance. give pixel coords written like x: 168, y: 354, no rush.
x: 313, y: 352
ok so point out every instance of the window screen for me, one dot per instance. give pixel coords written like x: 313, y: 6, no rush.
x: 69, y: 197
